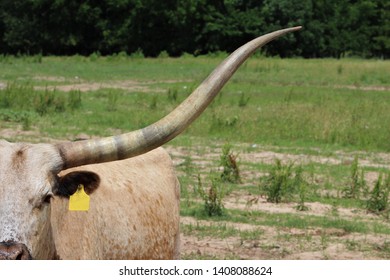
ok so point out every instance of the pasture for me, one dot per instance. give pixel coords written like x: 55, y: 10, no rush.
x: 309, y: 141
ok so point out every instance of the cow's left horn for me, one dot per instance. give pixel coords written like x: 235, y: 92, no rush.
x: 143, y: 140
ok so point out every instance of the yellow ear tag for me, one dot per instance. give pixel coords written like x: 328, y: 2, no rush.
x: 79, y: 201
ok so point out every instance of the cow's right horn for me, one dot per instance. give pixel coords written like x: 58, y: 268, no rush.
x: 143, y: 140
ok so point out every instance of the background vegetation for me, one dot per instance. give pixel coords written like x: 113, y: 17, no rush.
x: 65, y: 27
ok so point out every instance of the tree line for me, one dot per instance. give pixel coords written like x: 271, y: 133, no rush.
x: 331, y: 28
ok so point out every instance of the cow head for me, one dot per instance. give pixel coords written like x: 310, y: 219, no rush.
x: 29, y: 172
x: 28, y: 183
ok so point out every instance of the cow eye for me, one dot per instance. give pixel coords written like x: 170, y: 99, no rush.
x: 47, y: 198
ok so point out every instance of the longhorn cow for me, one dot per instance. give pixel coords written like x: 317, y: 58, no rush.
x: 134, y: 208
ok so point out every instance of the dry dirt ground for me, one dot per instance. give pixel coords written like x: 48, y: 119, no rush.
x: 277, y: 242
x: 84, y: 86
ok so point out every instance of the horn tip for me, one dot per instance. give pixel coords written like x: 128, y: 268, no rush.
x: 296, y: 28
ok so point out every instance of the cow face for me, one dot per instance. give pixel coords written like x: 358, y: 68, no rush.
x: 28, y: 182
x: 27, y: 176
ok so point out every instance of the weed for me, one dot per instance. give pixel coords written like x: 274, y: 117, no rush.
x: 379, y: 197
x: 74, y: 99
x: 172, y: 95
x: 383, y: 248
x: 219, y: 124
x: 357, y: 182
x: 25, y: 97
x: 243, y: 101
x: 334, y: 211
x: 340, y: 69
x: 59, y: 104
x: 113, y: 98
x: 184, y: 194
x: 47, y: 100
x: 212, y: 197
x: 282, y: 183
x: 324, y: 240
x: 26, y: 122
x: 231, y: 121
x: 302, y: 189
x: 220, y: 230
x: 16, y: 96
x: 353, y: 245
x: 41, y: 104
x: 228, y: 161
x: 187, y: 165
x: 251, y: 234
x: 16, y: 116
x: 153, y: 103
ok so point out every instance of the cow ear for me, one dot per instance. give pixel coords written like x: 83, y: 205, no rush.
x: 68, y: 184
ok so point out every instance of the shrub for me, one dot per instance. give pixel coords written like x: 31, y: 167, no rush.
x: 357, y: 182
x: 379, y: 197
x: 243, y: 101
x: 302, y: 188
x: 282, y: 182
x: 113, y: 101
x: 153, y: 103
x: 137, y: 54
x: 228, y: 161
x: 74, y: 99
x: 212, y: 197
x: 172, y: 95
x: 44, y: 101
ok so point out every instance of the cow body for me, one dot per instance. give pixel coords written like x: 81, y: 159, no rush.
x: 134, y: 213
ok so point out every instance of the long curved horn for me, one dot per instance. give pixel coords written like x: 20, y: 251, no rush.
x: 143, y: 140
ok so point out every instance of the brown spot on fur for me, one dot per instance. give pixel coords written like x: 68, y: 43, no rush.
x: 18, y: 159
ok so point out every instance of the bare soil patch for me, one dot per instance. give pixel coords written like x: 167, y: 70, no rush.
x: 83, y: 86
x: 12, y: 133
x: 282, y: 243
x: 279, y: 242
x: 52, y: 78
x: 366, y: 88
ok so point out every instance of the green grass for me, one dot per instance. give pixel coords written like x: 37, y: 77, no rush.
x: 291, y: 220
x: 289, y: 102
x: 220, y: 230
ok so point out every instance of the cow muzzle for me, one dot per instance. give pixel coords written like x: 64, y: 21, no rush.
x: 14, y: 251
